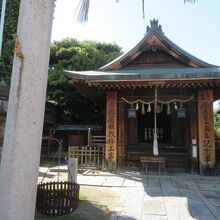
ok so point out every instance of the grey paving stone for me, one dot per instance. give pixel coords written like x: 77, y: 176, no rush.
x: 153, y: 217
x: 211, y: 193
x: 179, y: 184
x: 171, y: 193
x: 139, y: 184
x: 178, y: 212
x: 190, y: 184
x: 114, y: 216
x: 201, y: 212
x: 208, y: 185
x: 131, y: 203
x: 135, y: 209
x: 164, y: 197
x: 152, y: 192
x: 175, y: 201
x: 154, y: 208
x: 129, y: 182
x: 214, y: 201
x: 153, y: 182
x: 127, y: 216
x: 192, y: 197
x: 113, y: 181
x: 217, y: 212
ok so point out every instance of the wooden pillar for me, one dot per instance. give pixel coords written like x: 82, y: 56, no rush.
x: 111, y: 131
x: 121, y: 134
x: 206, y: 132
x: 193, y: 142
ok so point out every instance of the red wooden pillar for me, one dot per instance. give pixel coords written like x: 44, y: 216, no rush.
x: 206, y: 132
x: 121, y: 134
x: 111, y: 131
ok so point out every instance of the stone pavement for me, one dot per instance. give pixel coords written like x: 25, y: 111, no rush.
x: 143, y: 197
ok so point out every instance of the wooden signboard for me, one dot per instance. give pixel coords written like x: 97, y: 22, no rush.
x: 206, y: 132
x: 111, y: 131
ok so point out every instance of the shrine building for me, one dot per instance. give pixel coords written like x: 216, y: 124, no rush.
x: 159, y: 103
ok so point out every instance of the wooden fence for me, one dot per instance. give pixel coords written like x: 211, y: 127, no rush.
x: 88, y: 156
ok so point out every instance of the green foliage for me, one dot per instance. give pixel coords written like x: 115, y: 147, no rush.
x: 70, y: 54
x: 66, y: 54
x: 85, y: 55
x: 217, y: 124
x: 10, y: 27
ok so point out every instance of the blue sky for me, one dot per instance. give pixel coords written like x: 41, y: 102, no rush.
x: 194, y: 27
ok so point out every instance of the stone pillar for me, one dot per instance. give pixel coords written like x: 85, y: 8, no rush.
x: 111, y: 131
x: 72, y: 169
x: 24, y: 123
x: 89, y: 137
x: 206, y: 132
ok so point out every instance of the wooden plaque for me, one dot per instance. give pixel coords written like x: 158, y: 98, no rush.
x: 111, y: 130
x: 206, y: 129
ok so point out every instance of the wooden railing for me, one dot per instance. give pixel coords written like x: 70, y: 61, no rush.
x: 88, y: 156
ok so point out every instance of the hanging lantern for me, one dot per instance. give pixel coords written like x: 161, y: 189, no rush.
x: 181, y: 112
x: 142, y: 109
x: 132, y: 112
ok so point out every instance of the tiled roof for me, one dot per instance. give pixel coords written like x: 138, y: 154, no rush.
x: 148, y: 73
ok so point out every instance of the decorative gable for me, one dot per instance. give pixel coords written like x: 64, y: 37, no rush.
x: 150, y: 58
x: 154, y: 50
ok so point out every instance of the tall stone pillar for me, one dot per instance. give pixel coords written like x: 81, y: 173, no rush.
x: 24, y: 123
x: 206, y: 132
x: 111, y: 131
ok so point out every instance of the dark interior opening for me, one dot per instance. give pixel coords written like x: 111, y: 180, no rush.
x: 146, y: 127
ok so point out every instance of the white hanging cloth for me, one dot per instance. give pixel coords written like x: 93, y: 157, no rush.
x: 155, y: 143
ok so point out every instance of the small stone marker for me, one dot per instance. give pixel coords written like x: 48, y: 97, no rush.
x: 72, y: 169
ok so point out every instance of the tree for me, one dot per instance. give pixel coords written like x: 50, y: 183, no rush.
x: 10, y: 27
x: 70, y: 54
x: 217, y: 124
x: 84, y: 55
